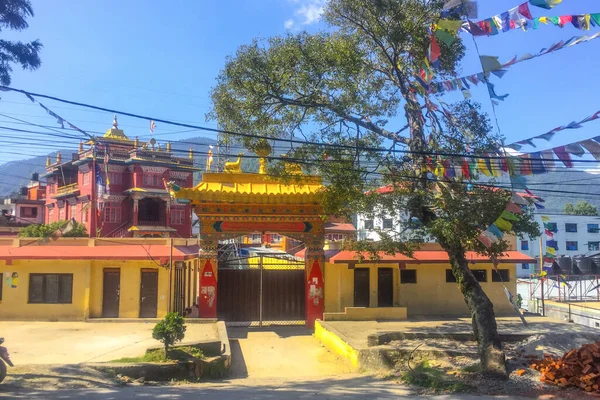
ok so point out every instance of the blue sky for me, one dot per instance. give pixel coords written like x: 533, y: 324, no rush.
x: 161, y: 59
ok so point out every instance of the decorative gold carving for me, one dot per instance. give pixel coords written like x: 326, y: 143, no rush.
x: 262, y: 149
x: 234, y: 167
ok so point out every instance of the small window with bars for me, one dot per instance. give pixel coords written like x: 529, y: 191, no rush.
x: 50, y: 288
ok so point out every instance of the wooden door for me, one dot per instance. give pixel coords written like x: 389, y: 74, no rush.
x: 149, y: 294
x: 361, y: 287
x: 111, y: 293
x: 385, y: 287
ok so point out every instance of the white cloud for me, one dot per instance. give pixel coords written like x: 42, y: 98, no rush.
x: 310, y: 11
x: 307, y: 12
x: 288, y: 23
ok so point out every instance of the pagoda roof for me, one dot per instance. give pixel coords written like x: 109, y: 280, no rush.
x: 252, y: 188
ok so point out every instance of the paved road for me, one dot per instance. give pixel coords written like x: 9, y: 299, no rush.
x: 348, y: 388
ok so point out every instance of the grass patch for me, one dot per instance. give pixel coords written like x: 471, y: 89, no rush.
x: 471, y: 368
x: 184, y: 353
x: 425, y: 376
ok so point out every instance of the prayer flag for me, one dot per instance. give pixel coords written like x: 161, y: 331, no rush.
x: 547, y: 4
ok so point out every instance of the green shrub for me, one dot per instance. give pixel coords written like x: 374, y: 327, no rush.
x: 170, y: 330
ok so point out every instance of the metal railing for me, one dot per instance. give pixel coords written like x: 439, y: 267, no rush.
x: 67, y: 189
x: 151, y: 223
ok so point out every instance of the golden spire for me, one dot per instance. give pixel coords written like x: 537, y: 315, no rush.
x: 168, y: 147
x: 80, y: 146
x: 191, y: 153
x: 136, y: 143
x: 48, y: 161
x: 58, y: 157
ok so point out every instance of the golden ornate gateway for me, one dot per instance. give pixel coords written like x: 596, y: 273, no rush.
x: 231, y: 204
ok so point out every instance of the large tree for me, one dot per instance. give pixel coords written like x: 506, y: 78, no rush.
x: 581, y: 208
x: 14, y: 15
x: 353, y: 87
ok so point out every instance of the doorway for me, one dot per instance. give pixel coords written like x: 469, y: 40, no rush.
x: 111, y: 292
x: 385, y: 287
x: 149, y: 293
x: 151, y: 212
x: 361, y: 287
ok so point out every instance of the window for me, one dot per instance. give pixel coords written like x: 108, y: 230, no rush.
x: 552, y: 226
x: 524, y: 266
x: 388, y: 223
x: 112, y: 213
x: 152, y: 180
x: 51, y: 288
x: 500, y: 276
x: 28, y: 212
x: 450, y: 276
x: 177, y: 215
x: 335, y: 236
x: 571, y: 245
x: 480, y: 274
x: 256, y: 238
x: 115, y: 178
x: 368, y: 224
x: 524, y: 244
x: 571, y: 227
x: 408, y: 276
x: 592, y: 228
x: 61, y: 213
x: 73, y: 211
x: 275, y: 238
x: 593, y: 246
x: 86, y: 178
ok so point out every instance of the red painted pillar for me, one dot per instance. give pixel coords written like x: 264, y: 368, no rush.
x: 314, y: 285
x: 208, y: 265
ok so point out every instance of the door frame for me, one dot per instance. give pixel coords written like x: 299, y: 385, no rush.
x: 111, y: 270
x: 142, y: 271
x: 368, y: 273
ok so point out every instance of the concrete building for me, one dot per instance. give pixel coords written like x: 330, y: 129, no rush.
x: 135, y: 201
x: 574, y: 234
x: 26, y: 208
x: 81, y: 278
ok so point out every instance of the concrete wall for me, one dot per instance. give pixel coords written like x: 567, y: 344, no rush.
x: 87, y: 294
x: 15, y: 301
x: 431, y: 295
x: 129, y: 299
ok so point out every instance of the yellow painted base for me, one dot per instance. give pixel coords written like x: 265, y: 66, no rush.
x: 368, y: 314
x: 336, y: 345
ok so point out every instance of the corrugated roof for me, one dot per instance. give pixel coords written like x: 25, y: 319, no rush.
x: 419, y: 257
x: 339, y: 226
x: 510, y: 256
x: 117, y: 252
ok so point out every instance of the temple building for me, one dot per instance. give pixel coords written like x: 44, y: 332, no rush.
x: 116, y: 188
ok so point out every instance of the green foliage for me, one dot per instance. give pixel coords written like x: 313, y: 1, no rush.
x: 47, y: 230
x: 182, y: 353
x: 170, y: 330
x: 426, y: 376
x: 581, y: 208
x: 14, y: 15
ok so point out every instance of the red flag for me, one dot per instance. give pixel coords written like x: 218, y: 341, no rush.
x: 524, y: 11
x: 152, y: 126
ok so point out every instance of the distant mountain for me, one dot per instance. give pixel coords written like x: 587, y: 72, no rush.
x: 584, y: 185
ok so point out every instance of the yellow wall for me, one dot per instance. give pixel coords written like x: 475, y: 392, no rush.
x: 14, y: 304
x: 129, y: 300
x: 87, y: 289
x: 431, y: 295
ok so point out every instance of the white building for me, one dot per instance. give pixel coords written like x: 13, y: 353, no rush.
x: 574, y: 234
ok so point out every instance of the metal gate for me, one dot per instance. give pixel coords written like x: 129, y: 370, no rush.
x: 261, y: 290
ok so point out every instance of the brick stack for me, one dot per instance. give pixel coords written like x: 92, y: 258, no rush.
x: 578, y: 368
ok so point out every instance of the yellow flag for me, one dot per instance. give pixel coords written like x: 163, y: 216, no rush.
x: 551, y: 250
x: 587, y: 22
x: 543, y: 20
x: 482, y: 167
x: 503, y: 224
x: 545, y: 218
x: 449, y: 25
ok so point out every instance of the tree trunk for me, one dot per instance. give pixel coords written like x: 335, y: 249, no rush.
x: 491, y: 355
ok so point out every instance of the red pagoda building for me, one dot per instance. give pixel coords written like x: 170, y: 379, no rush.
x: 116, y: 188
